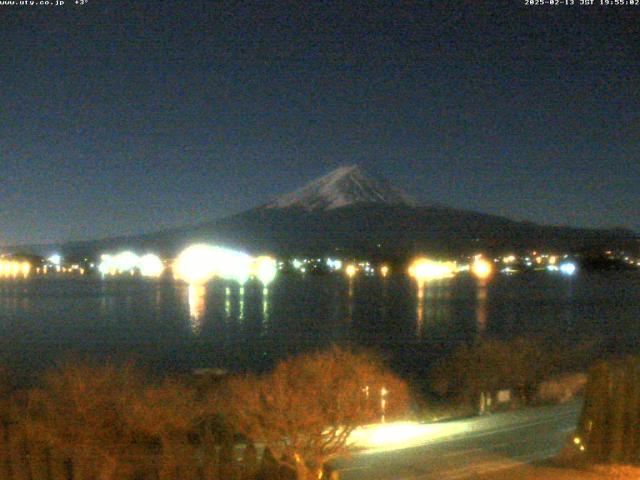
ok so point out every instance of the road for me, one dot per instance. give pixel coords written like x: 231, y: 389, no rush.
x: 459, y: 449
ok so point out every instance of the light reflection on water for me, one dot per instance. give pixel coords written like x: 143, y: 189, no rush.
x: 350, y: 299
x: 241, y: 303
x: 197, y: 303
x: 197, y: 306
x: 420, y: 310
x: 222, y: 324
x: 265, y: 310
x: 227, y: 304
x: 481, y: 304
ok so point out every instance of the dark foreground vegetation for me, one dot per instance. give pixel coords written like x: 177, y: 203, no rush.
x: 110, y: 422
x: 106, y: 422
x: 532, y: 370
x: 606, y: 443
x: 609, y: 427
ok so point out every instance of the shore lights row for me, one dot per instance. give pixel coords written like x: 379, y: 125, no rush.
x: 195, y: 265
x: 200, y: 263
x: 14, y: 268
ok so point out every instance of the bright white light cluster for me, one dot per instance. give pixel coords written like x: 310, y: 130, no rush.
x: 333, y: 264
x: 382, y: 437
x: 568, y: 268
x: 148, y: 265
x: 200, y: 263
x: 55, y: 260
x: 424, y: 269
x: 265, y: 269
x: 366, y: 268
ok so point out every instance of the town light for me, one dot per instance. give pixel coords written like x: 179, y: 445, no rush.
x: 481, y: 268
x: 196, y: 264
x: 232, y: 265
x: 14, y: 268
x: 334, y: 264
x: 25, y: 268
x: 125, y: 262
x: 568, y: 268
x: 351, y: 270
x: 55, y: 259
x: 150, y: 265
x: 265, y: 269
x: 200, y: 263
x: 424, y: 269
x: 106, y: 264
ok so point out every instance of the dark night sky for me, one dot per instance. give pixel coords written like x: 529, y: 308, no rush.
x: 122, y: 117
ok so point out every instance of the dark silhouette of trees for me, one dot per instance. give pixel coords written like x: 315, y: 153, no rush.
x: 168, y: 414
x: 107, y: 422
x: 11, y: 431
x: 82, y: 413
x: 491, y: 365
x: 609, y: 425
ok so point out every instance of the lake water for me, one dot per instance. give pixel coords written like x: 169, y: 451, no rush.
x: 169, y: 326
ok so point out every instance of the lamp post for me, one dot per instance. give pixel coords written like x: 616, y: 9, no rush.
x: 383, y: 402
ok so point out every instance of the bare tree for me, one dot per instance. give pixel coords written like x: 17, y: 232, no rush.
x: 82, y: 412
x: 169, y: 413
x: 305, y: 410
x: 490, y: 365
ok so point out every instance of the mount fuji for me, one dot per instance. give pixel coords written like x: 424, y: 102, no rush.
x: 342, y: 187
x: 349, y: 212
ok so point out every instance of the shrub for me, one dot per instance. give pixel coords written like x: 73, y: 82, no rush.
x: 609, y: 424
x: 492, y: 365
x: 561, y: 389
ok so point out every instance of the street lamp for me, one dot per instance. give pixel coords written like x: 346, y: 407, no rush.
x: 383, y: 402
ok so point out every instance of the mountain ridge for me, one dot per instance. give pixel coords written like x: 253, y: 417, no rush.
x: 351, y: 212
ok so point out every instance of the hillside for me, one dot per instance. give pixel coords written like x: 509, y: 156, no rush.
x: 350, y: 212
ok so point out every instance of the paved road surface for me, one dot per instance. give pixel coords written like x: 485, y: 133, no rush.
x: 463, y: 448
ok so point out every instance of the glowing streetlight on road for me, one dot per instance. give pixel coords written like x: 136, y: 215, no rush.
x: 383, y: 402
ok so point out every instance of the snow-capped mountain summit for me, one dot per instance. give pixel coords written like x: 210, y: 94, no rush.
x: 341, y: 187
x: 376, y: 221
